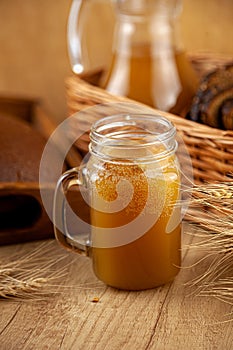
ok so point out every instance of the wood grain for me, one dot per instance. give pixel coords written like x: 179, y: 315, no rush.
x: 169, y: 317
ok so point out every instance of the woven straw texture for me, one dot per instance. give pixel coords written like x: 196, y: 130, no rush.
x: 211, y: 149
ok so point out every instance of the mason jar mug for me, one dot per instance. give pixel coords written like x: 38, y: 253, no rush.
x: 132, y: 177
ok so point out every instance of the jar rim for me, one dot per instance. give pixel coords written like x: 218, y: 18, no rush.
x: 132, y: 131
x: 99, y: 128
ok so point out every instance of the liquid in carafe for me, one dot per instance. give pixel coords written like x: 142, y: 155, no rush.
x: 149, y: 64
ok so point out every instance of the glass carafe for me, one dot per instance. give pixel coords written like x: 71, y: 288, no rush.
x: 149, y: 63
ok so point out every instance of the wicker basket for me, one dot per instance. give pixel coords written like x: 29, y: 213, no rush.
x: 211, y: 149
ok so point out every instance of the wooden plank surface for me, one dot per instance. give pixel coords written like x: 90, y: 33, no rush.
x: 169, y: 317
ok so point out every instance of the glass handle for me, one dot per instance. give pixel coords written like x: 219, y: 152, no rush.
x: 78, y: 243
x: 73, y: 37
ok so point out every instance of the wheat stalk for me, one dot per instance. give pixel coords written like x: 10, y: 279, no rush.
x: 211, y: 212
x: 33, y: 275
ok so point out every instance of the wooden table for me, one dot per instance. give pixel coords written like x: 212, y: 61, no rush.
x: 86, y: 314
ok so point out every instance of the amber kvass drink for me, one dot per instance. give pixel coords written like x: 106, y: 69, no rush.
x: 149, y: 63
x: 164, y: 80
x: 134, y: 181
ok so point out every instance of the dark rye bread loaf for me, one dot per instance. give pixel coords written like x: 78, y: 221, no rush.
x: 22, y: 214
x: 21, y: 148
